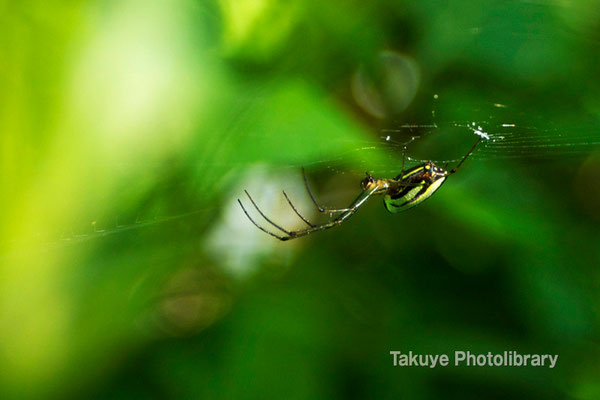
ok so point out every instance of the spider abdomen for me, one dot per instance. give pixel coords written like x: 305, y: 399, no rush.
x: 411, y: 196
x: 414, y: 187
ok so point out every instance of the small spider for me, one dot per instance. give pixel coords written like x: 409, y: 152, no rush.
x: 405, y: 191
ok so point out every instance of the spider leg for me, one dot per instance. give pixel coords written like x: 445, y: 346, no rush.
x: 307, y: 231
x: 264, y: 216
x: 356, y: 204
x: 296, y: 211
x: 260, y: 227
x: 320, y: 208
x: 465, y: 157
x: 403, y: 159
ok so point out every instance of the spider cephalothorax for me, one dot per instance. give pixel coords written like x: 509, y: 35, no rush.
x: 414, y: 186
x: 370, y: 183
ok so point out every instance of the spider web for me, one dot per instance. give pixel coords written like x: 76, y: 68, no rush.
x: 506, y: 135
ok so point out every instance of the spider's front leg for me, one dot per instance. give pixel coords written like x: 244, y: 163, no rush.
x: 319, y: 207
x: 356, y: 204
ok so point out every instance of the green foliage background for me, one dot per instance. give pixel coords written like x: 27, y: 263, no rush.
x: 129, y: 128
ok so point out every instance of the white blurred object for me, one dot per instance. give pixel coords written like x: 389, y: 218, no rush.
x: 235, y: 243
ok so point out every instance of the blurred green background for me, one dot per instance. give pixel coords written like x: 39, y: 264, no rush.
x: 129, y: 128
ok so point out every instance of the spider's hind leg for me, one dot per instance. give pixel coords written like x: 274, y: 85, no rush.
x: 465, y: 157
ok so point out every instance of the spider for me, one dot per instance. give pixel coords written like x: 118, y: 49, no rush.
x: 405, y: 191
